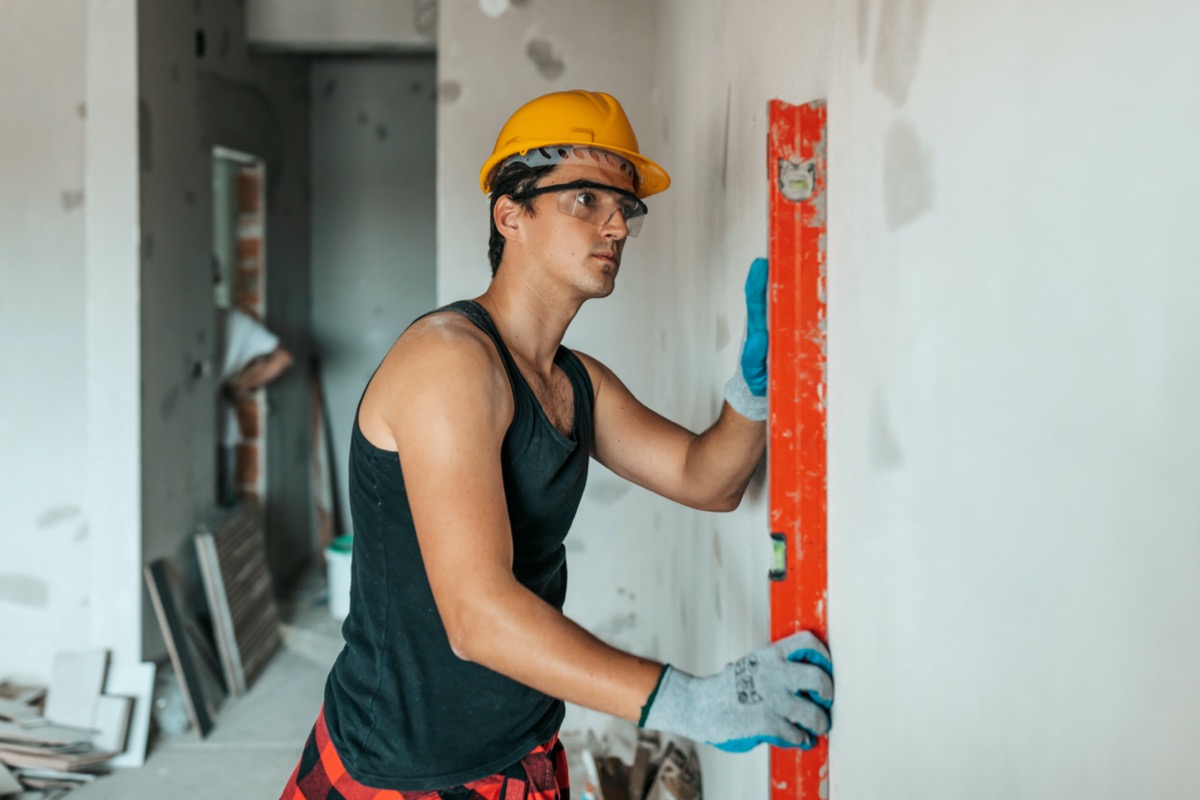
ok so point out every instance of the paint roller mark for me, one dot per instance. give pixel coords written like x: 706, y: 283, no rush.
x: 169, y: 404
x: 725, y: 148
x: 722, y: 332
x: 72, y: 200
x: 898, y: 47
x: 542, y: 54
x: 52, y: 516
x: 908, y: 186
x: 145, y: 138
x: 717, y: 604
x: 23, y: 590
x: 885, y: 449
x: 608, y: 491
x: 449, y: 91
x: 864, y: 20
x: 615, y: 626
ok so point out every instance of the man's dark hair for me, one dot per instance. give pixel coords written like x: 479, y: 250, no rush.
x: 512, y: 179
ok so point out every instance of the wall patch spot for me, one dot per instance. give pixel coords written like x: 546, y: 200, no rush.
x: 885, y: 449
x: 72, y: 200
x: 542, y: 54
x: 81, y: 110
x: 170, y: 402
x: 24, y: 590
x: 329, y: 88
x: 722, y: 332
x: 81, y: 535
x: 381, y: 133
x: 449, y: 91
x: 898, y: 47
x: 608, y: 491
x: 362, y: 118
x: 52, y: 516
x: 908, y: 186
x: 425, y: 17
x: 189, y: 197
x: 864, y: 31
x: 494, y: 8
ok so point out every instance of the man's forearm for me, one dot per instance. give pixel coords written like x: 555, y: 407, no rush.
x: 515, y: 633
x: 721, y: 461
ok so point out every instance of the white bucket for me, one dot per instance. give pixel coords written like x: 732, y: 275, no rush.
x: 337, y: 562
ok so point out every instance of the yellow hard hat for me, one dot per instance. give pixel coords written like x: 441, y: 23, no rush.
x: 592, y: 120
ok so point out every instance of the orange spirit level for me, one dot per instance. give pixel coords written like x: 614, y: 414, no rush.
x: 796, y: 370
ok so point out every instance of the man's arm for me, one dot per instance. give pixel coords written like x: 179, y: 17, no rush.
x: 709, y: 471
x: 443, y: 397
x: 260, y: 371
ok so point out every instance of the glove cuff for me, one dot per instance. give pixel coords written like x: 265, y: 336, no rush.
x: 742, y: 400
x: 650, y: 700
x: 668, y: 708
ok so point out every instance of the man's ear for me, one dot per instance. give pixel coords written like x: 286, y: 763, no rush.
x: 508, y: 215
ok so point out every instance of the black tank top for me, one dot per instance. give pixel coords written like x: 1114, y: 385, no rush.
x: 403, y: 711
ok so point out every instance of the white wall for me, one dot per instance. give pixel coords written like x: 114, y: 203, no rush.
x: 373, y: 222
x: 1013, y: 384
x: 43, y: 526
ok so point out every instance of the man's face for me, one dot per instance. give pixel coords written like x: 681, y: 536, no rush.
x: 586, y: 253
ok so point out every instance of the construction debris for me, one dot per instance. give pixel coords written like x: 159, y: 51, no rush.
x: 624, y: 763
x: 57, y: 738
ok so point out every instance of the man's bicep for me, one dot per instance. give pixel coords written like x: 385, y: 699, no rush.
x: 448, y: 438
x: 635, y: 441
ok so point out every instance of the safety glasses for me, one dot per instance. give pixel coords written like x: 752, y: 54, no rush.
x: 594, y: 202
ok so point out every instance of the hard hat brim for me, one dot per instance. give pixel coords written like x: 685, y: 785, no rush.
x: 652, y: 178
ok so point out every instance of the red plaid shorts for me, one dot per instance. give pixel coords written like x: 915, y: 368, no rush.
x: 320, y: 775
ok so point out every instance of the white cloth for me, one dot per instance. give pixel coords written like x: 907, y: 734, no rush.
x: 245, y: 340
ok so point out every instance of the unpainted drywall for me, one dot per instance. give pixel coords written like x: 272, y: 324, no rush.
x: 200, y: 88
x: 373, y: 223
x: 43, y: 359
x: 1012, y: 433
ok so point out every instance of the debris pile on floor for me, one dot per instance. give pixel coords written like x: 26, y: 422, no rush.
x: 91, y: 717
x: 625, y: 763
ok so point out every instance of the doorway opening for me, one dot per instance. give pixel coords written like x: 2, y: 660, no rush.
x: 240, y: 307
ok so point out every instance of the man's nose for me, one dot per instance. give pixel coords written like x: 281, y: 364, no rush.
x: 615, y: 225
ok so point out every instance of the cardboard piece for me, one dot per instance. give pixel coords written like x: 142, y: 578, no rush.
x: 136, y: 682
x: 75, y: 686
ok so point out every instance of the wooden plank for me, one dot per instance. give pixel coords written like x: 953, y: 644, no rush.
x: 200, y: 709
x: 796, y: 366
x: 241, y: 596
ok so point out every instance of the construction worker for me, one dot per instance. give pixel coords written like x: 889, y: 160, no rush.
x: 468, y: 459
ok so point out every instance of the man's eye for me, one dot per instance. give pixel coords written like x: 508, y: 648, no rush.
x: 629, y: 210
x: 586, y: 198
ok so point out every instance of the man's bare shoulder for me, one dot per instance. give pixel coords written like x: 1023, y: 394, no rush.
x: 442, y: 365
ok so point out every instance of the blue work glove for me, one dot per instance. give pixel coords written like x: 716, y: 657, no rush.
x: 780, y: 694
x: 746, y: 391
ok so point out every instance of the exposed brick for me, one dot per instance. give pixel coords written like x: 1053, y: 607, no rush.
x: 249, y: 190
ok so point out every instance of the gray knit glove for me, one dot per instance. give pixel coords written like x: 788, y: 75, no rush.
x: 780, y: 694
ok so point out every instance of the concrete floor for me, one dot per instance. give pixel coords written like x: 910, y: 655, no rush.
x: 256, y: 740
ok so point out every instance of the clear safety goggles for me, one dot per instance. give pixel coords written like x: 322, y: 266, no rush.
x: 594, y: 202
